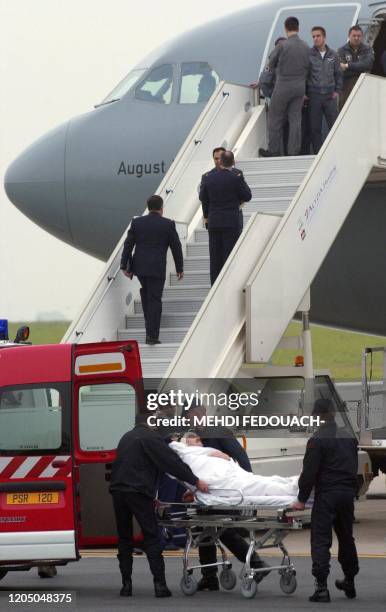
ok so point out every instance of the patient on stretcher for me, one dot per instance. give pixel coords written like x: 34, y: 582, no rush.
x: 223, y: 474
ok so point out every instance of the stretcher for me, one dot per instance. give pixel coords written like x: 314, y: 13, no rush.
x: 264, y: 527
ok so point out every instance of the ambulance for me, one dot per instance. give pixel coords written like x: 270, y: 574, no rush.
x: 63, y: 409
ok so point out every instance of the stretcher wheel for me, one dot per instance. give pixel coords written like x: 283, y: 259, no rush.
x: 288, y: 583
x: 188, y: 585
x: 248, y: 588
x: 3, y: 573
x: 228, y: 579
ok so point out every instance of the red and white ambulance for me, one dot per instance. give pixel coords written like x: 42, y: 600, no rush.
x: 63, y: 408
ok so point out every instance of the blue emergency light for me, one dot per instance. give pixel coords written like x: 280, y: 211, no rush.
x: 3, y: 329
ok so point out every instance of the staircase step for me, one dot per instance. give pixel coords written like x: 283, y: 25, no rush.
x: 158, y: 351
x: 200, y: 277
x: 181, y: 305
x: 168, y: 335
x: 198, y: 248
x: 273, y: 191
x: 277, y: 164
x: 198, y: 292
x: 274, y: 177
x: 154, y: 368
x: 196, y: 263
x: 168, y: 319
x: 271, y: 205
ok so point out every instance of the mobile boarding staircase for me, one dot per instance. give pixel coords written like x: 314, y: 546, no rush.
x: 299, y: 205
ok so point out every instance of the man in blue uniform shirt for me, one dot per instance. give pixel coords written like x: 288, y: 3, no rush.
x: 221, y: 194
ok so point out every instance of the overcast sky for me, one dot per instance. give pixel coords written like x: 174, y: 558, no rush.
x: 57, y: 59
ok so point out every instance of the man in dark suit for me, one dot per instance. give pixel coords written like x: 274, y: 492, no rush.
x: 151, y: 235
x: 217, y: 165
x: 142, y: 455
x: 221, y: 194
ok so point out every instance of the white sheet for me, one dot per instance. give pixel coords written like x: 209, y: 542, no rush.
x: 229, y: 476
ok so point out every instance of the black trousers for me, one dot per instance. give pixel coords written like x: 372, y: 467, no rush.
x: 233, y: 541
x: 151, y: 298
x: 127, y: 505
x: 333, y: 509
x: 221, y: 243
x: 319, y: 106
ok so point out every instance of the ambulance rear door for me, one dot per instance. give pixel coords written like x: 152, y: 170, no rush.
x: 107, y: 392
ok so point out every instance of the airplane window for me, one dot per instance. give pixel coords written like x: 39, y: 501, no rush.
x: 198, y: 82
x: 157, y: 86
x: 124, y: 86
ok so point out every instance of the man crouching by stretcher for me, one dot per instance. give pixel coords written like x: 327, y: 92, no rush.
x: 330, y: 466
x: 141, y: 455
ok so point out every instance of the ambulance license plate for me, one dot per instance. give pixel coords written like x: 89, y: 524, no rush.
x: 46, y: 497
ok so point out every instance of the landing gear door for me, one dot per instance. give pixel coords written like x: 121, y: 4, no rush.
x: 107, y: 394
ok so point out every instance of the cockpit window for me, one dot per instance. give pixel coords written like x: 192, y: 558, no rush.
x: 123, y: 87
x: 198, y: 82
x: 157, y: 86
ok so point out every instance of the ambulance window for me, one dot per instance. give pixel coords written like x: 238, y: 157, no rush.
x: 30, y: 419
x: 106, y: 412
x: 198, y: 82
x: 157, y: 86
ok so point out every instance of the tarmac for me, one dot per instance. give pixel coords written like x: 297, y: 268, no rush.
x: 94, y: 582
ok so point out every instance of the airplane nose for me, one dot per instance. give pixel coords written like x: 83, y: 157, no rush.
x: 35, y: 183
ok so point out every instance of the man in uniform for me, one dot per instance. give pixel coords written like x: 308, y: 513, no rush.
x: 223, y: 440
x: 221, y: 193
x: 330, y: 466
x: 324, y: 85
x: 151, y: 235
x: 355, y: 58
x: 290, y: 61
x: 141, y: 455
x: 217, y: 165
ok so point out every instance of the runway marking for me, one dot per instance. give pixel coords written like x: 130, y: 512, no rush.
x: 107, y: 554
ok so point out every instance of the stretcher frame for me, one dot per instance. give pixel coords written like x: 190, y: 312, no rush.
x: 204, y: 526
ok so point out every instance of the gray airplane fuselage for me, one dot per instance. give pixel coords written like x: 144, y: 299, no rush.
x: 84, y: 180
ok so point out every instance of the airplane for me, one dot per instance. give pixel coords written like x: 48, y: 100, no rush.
x: 84, y: 180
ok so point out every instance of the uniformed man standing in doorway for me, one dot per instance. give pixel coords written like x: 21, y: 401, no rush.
x: 355, y: 57
x: 221, y: 194
x: 290, y: 61
x: 330, y: 466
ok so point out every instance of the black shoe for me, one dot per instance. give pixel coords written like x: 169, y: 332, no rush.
x: 127, y: 589
x: 161, y: 589
x: 266, y: 153
x: 208, y: 583
x: 260, y: 575
x: 347, y: 585
x: 152, y: 341
x: 321, y: 594
x: 47, y: 571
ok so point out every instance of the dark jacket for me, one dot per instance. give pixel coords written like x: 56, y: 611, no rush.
x: 359, y: 60
x: 221, y: 194
x: 142, y: 455
x: 151, y: 235
x: 290, y: 59
x: 330, y: 462
x: 325, y: 74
